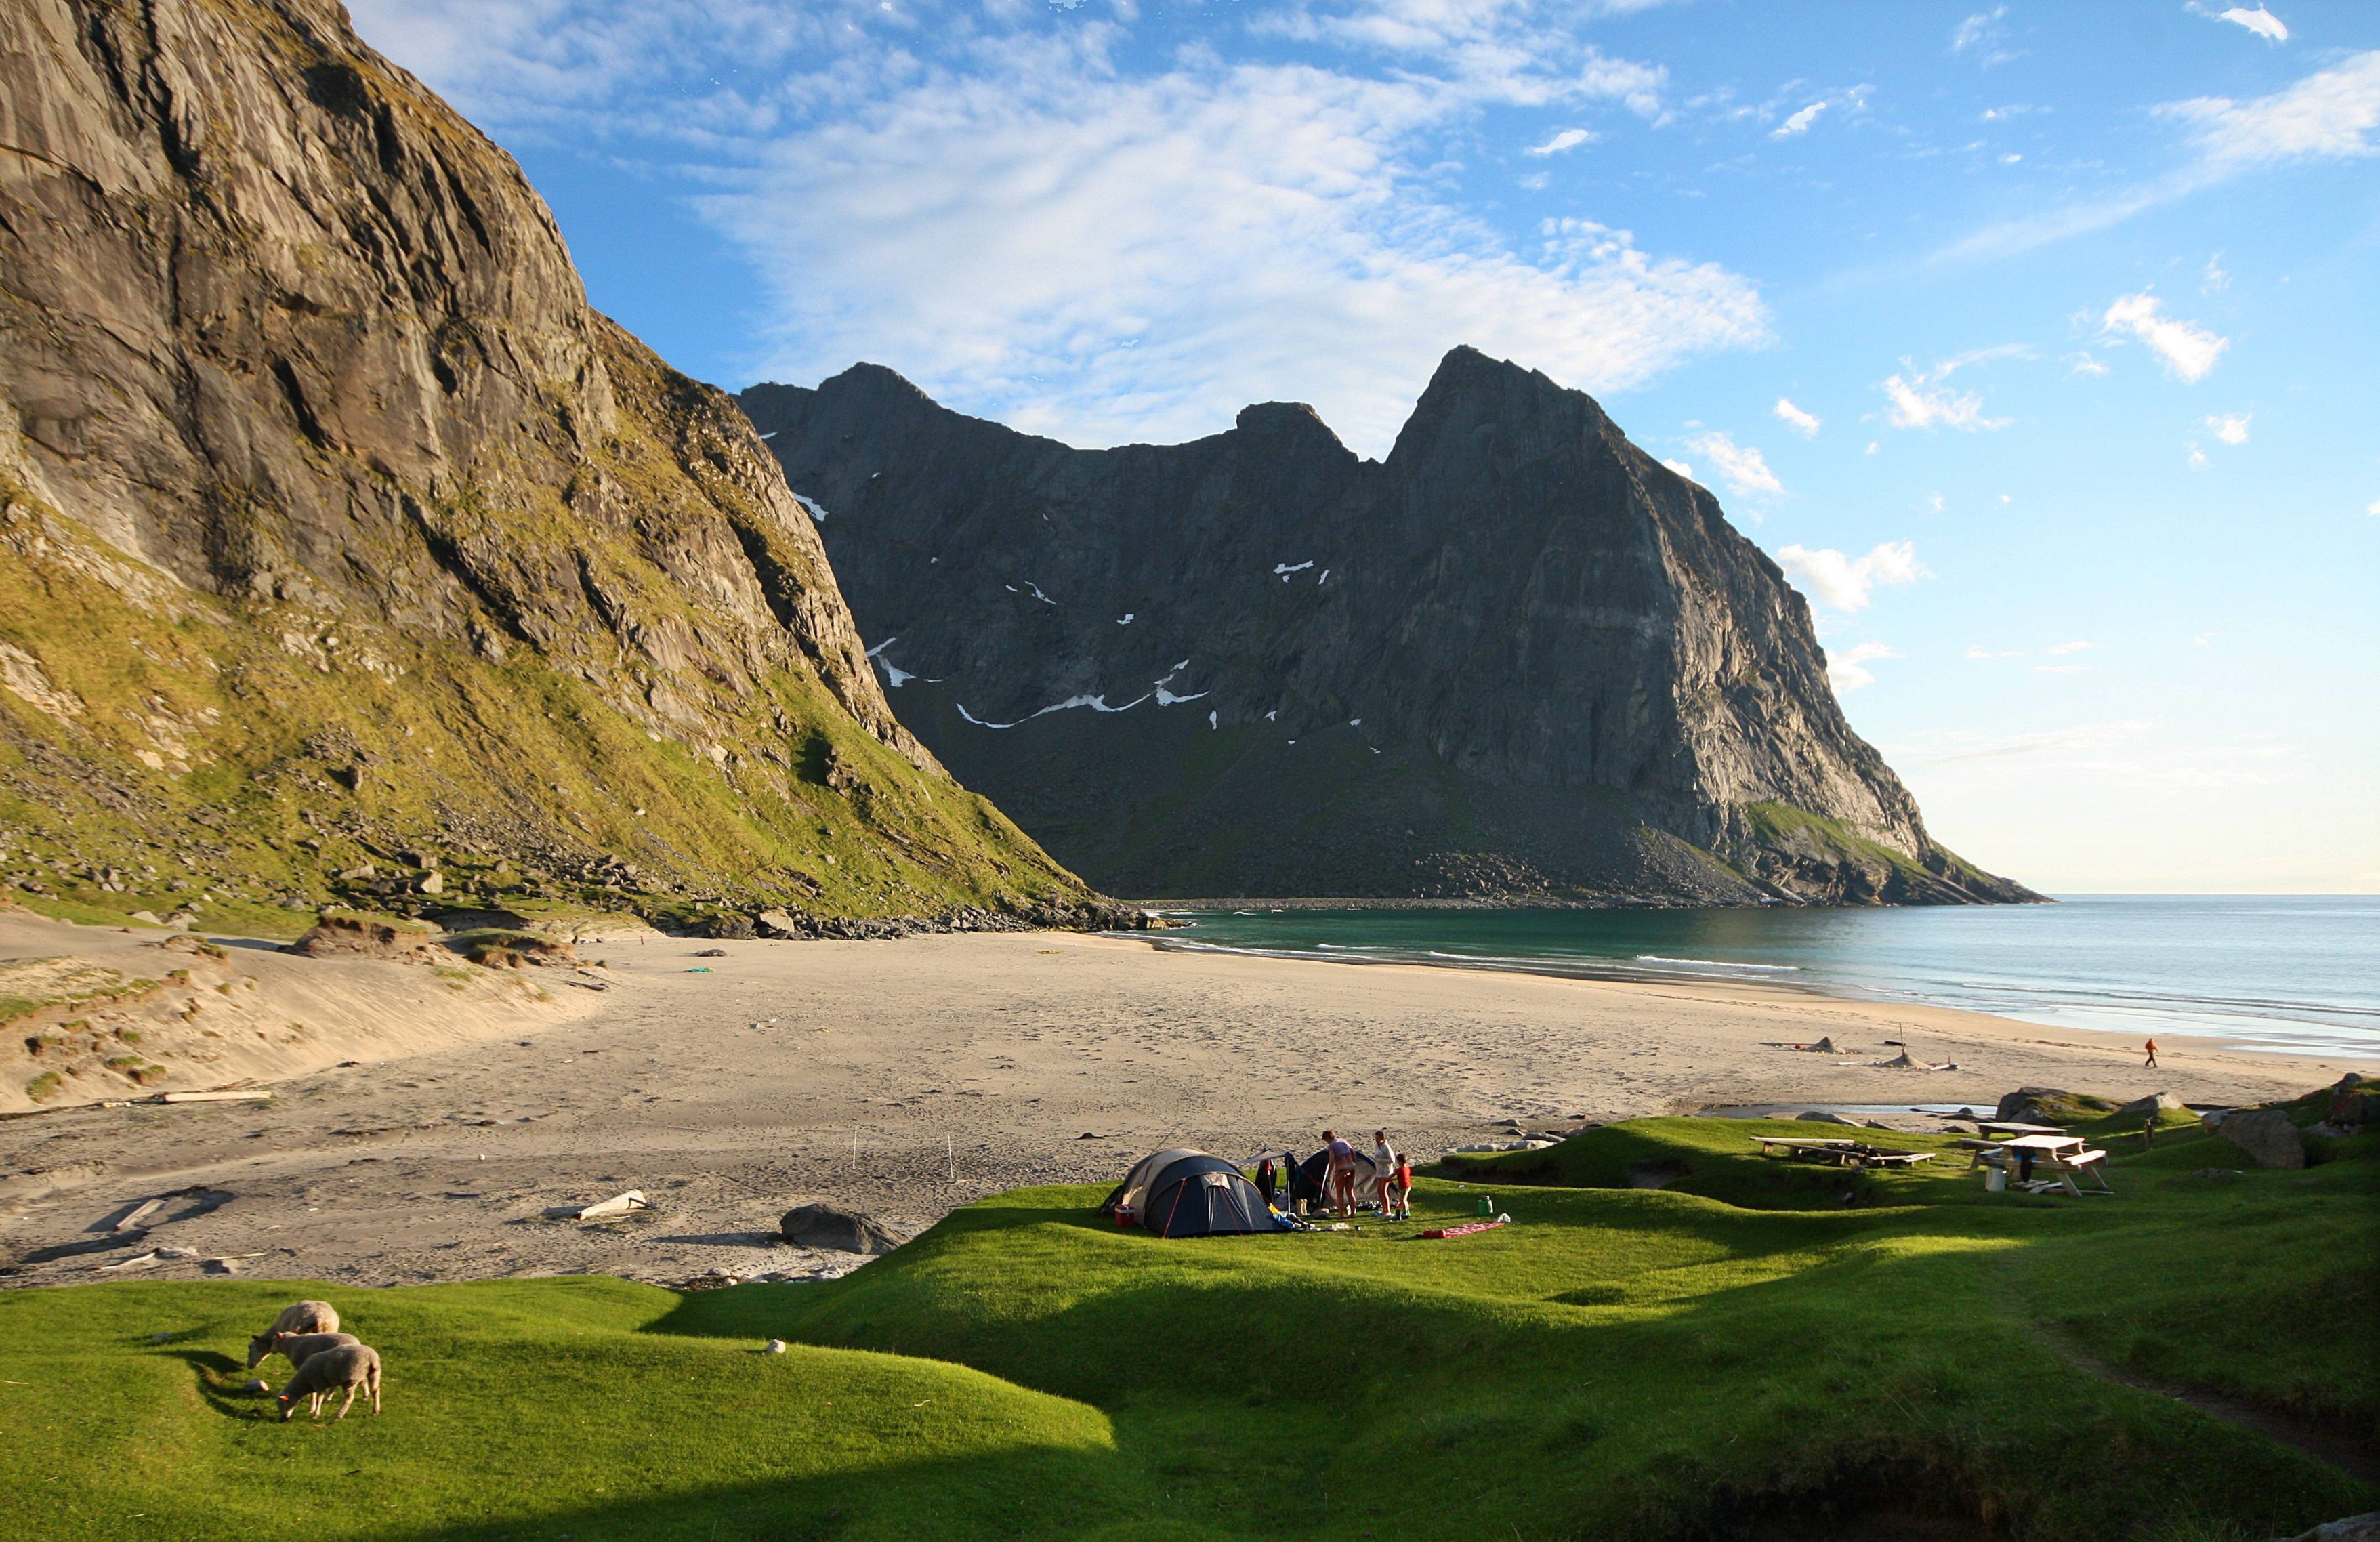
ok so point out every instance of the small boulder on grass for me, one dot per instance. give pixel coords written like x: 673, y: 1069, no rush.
x: 823, y: 1226
x: 2268, y: 1135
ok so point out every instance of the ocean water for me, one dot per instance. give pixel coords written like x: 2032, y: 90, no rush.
x: 2295, y: 973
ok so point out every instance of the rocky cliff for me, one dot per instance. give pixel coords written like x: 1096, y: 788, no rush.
x: 1520, y: 657
x: 339, y: 536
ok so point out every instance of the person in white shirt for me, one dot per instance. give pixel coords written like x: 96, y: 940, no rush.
x: 1385, y: 1180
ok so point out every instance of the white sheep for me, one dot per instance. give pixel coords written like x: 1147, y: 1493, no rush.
x: 293, y: 1347
x: 299, y: 1316
x: 306, y: 1316
x: 353, y: 1367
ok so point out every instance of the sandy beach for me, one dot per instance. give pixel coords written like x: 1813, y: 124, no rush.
x: 903, y: 1079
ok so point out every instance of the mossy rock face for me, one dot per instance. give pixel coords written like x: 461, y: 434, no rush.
x: 2044, y: 1105
x: 495, y: 608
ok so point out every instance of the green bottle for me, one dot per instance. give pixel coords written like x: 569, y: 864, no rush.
x: 1486, y: 1204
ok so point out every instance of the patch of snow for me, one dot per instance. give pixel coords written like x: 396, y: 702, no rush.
x: 1167, y: 698
x: 1354, y: 723
x: 811, y: 507
x: 771, y: 433
x: 1038, y: 594
x: 895, y: 676
x: 1282, y: 570
x: 882, y: 646
x: 1210, y: 720
x: 1271, y: 715
x: 1096, y: 703
x: 1125, y: 619
x: 1324, y: 579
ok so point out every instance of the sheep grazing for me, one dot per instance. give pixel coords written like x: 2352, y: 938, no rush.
x: 306, y: 1316
x: 293, y: 1347
x: 353, y: 1367
x: 299, y: 1316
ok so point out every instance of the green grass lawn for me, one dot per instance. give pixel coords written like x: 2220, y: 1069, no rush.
x: 1620, y: 1363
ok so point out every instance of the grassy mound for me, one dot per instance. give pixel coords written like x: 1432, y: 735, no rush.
x: 1619, y: 1363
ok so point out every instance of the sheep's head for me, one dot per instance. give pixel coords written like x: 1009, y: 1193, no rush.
x: 288, y: 1407
x: 261, y: 1346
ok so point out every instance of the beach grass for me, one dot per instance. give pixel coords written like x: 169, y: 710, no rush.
x: 1619, y: 1362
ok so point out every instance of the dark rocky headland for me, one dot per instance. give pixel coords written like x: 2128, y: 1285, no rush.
x: 1520, y: 659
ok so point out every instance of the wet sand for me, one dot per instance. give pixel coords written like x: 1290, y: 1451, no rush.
x: 905, y: 1078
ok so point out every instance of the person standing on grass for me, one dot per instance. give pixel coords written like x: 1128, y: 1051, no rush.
x: 1341, y: 1171
x: 1384, y: 1173
x: 1266, y: 1180
x: 1404, y: 1185
x: 2152, y: 1059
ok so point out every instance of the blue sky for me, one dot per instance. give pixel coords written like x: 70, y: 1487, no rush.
x: 2035, y: 341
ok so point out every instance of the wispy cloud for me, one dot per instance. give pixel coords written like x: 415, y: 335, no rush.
x: 1804, y: 423
x: 1741, y: 467
x: 2329, y: 114
x: 1846, y: 582
x: 1951, y: 747
x: 1038, y: 223
x: 1569, y: 139
x: 1984, y: 35
x: 1847, y: 671
x: 2056, y: 648
x: 2230, y: 428
x: 1799, y: 122
x: 1920, y: 400
x: 2188, y: 350
x: 2262, y: 23
x: 2083, y: 364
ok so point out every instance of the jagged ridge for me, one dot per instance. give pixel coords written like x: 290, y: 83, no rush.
x: 1519, y: 656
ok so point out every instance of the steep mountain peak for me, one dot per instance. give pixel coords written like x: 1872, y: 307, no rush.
x: 334, y: 524
x: 1516, y: 658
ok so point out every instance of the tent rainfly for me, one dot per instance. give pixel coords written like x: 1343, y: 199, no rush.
x: 1185, y: 1193
x: 1305, y: 1178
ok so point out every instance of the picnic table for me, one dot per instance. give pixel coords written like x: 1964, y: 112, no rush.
x: 2066, y: 1157
x: 1840, y: 1151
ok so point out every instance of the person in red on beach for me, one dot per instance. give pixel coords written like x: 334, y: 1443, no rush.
x: 2152, y: 1059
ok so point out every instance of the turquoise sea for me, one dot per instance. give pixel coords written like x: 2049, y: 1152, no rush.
x: 2298, y: 973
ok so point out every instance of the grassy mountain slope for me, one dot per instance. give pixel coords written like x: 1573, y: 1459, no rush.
x: 337, y: 530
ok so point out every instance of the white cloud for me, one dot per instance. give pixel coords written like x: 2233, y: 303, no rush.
x: 1569, y: 139
x: 2329, y: 114
x: 1682, y: 469
x: 2060, y: 669
x: 2077, y: 647
x: 2215, y: 280
x: 1985, y: 33
x: 2374, y: 507
x: 1798, y: 123
x: 2086, y: 364
x: 1872, y: 448
x: 1987, y: 653
x: 1741, y: 467
x: 1918, y: 400
x: 1934, y: 503
x: 1847, y: 671
x: 2262, y: 23
x: 2230, y: 428
x: 993, y: 205
x: 1804, y: 423
x: 2198, y: 461
x: 1845, y: 582
x: 2188, y: 350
